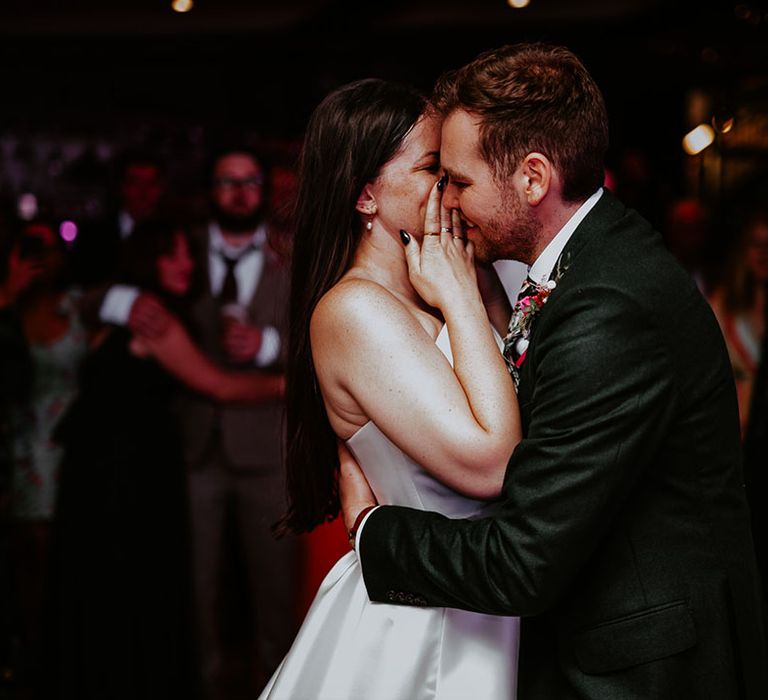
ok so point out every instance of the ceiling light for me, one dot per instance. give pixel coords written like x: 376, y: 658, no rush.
x: 182, y: 5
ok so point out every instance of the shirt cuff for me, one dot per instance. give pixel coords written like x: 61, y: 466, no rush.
x: 360, y: 529
x: 270, y: 347
x: 117, y: 304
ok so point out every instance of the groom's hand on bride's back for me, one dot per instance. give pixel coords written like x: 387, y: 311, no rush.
x: 354, y: 491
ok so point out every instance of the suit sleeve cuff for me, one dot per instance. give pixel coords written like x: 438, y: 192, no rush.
x: 117, y: 304
x: 362, y: 527
x: 269, y: 351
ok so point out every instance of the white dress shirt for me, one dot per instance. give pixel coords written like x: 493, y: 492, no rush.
x: 125, y: 223
x: 250, y: 262
x: 542, y: 268
x: 119, y: 300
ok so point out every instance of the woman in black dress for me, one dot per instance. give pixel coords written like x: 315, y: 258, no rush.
x: 122, y: 627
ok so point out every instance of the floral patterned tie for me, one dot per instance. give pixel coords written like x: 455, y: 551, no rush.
x: 530, y: 301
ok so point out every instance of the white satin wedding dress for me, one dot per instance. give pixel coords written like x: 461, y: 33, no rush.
x: 349, y: 648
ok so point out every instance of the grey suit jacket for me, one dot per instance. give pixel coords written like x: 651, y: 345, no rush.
x: 250, y: 437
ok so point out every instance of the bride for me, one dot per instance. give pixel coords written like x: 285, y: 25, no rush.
x: 418, y: 391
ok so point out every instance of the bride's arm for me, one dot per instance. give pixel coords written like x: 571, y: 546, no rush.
x: 177, y: 354
x: 374, y: 360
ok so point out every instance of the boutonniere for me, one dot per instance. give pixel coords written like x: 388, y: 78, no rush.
x: 529, y: 304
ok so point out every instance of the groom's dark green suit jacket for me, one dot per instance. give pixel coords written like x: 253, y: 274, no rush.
x: 622, y: 535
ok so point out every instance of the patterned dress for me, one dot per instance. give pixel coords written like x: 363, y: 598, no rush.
x: 36, y: 457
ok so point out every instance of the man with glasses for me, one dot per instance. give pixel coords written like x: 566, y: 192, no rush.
x: 234, y: 452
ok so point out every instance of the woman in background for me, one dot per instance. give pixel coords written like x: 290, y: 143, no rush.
x: 122, y: 604
x: 47, y: 314
x: 739, y: 304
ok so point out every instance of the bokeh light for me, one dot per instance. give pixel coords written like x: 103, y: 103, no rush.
x: 698, y: 139
x: 723, y: 124
x: 26, y: 206
x: 68, y: 231
x: 182, y: 5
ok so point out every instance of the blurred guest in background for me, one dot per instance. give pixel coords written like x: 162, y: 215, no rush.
x: 234, y: 454
x: 281, y: 192
x: 57, y: 343
x: 687, y: 236
x: 122, y: 619
x: 636, y: 181
x: 139, y: 196
x: 16, y: 274
x: 739, y: 304
x: 756, y: 464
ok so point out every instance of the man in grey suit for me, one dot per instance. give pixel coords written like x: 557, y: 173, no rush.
x: 622, y: 534
x: 234, y: 453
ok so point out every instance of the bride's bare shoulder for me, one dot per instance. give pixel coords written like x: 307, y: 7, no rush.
x: 356, y: 304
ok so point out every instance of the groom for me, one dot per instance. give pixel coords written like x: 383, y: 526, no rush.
x: 622, y: 535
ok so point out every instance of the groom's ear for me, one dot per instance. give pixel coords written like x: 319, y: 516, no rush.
x: 537, y: 173
x: 366, y: 202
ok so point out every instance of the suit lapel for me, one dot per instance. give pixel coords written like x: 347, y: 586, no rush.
x: 596, y: 224
x: 266, y: 284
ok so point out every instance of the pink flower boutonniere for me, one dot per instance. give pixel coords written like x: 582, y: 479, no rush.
x: 529, y: 304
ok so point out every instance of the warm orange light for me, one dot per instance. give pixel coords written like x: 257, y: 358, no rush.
x: 518, y: 4
x: 697, y: 140
x: 182, y: 5
x: 722, y: 124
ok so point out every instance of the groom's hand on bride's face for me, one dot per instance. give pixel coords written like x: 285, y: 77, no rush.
x: 354, y: 491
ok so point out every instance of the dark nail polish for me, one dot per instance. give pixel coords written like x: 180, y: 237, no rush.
x: 442, y: 182
x: 405, y: 237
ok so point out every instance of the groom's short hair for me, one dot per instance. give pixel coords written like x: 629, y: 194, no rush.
x: 533, y: 97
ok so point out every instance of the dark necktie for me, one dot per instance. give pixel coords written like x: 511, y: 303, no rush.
x: 228, y: 294
x: 526, y: 289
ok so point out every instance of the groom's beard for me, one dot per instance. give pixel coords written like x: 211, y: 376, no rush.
x: 513, y: 234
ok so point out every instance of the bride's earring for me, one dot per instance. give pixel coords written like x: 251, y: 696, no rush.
x: 369, y: 225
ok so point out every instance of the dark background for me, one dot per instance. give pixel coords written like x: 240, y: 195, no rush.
x: 83, y: 80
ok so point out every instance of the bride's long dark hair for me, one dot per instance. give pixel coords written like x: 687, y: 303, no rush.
x: 351, y: 135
